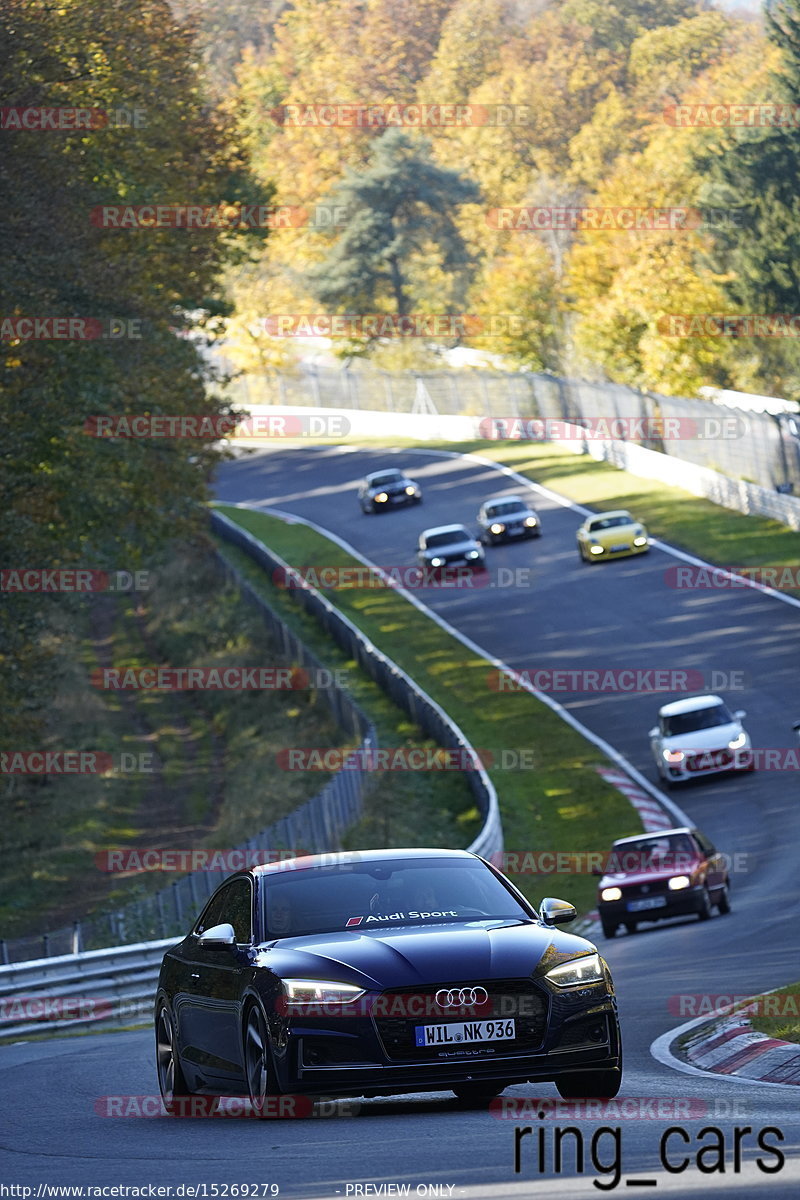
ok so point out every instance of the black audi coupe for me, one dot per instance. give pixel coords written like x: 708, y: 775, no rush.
x: 379, y: 972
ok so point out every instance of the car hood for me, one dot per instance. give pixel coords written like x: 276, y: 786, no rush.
x: 450, y: 548
x: 413, y: 956
x: 620, y: 533
x: 704, y: 739
x: 509, y: 518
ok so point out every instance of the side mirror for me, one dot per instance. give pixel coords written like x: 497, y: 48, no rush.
x: 218, y: 937
x: 740, y: 714
x: 653, y: 732
x: 556, y: 912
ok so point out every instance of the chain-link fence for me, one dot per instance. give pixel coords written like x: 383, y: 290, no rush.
x: 756, y: 446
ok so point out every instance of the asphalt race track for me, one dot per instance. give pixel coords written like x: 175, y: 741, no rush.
x: 570, y: 615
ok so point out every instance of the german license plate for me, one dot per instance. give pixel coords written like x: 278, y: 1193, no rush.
x: 516, y: 531
x: 649, y: 902
x: 621, y: 546
x: 398, y: 499
x: 464, y: 1031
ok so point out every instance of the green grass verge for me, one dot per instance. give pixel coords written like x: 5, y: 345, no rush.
x: 560, y: 805
x: 778, y: 1014
x: 209, y: 778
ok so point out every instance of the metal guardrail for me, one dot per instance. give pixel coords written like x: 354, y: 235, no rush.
x: 98, y: 989
x: 316, y: 825
x: 402, y: 689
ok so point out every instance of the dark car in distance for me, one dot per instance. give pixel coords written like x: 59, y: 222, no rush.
x: 506, y: 518
x: 377, y: 973
x: 387, y: 489
x: 650, y: 877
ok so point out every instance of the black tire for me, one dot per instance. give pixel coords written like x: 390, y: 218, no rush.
x: 477, y: 1095
x: 704, y: 912
x: 609, y: 928
x: 590, y: 1085
x: 261, y: 1086
x: 724, y: 902
x: 176, y: 1095
x: 630, y: 926
x: 581, y: 555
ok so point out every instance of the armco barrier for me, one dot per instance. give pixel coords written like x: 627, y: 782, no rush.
x: 316, y: 825
x: 125, y: 976
x: 424, y: 711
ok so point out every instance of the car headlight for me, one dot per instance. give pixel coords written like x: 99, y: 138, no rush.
x: 320, y: 991
x: 530, y: 522
x: 437, y: 562
x: 588, y: 969
x: 679, y: 882
x: 411, y: 491
x: 496, y: 528
x: 611, y: 894
x: 381, y: 498
x: 640, y: 541
x: 473, y: 554
x: 739, y: 741
x: 673, y: 756
x: 595, y: 549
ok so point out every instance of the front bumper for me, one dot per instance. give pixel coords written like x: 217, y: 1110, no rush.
x: 720, y: 762
x: 677, y: 904
x: 629, y: 552
x: 348, y: 1057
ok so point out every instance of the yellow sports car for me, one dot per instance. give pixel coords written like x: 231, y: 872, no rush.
x: 611, y: 535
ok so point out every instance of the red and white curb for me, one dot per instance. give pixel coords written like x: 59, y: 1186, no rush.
x: 729, y: 1046
x: 653, y: 815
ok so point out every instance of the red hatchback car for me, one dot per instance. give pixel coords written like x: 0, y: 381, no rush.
x: 652, y: 876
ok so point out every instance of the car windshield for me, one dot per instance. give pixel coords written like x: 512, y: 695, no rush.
x: 367, y: 896
x: 387, y: 477
x: 673, y: 852
x: 610, y: 522
x: 699, y: 718
x: 504, y: 507
x: 444, y: 539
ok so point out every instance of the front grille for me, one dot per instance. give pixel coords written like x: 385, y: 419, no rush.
x: 516, y: 999
x: 656, y: 887
x: 707, y: 759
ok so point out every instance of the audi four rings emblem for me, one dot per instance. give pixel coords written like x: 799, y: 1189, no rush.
x: 456, y: 997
